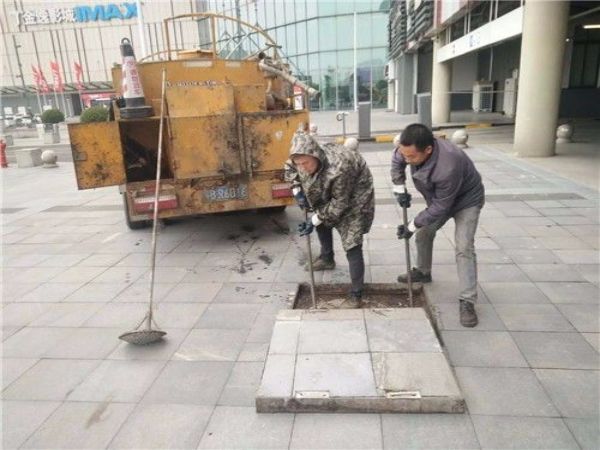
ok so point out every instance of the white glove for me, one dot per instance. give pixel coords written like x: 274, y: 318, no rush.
x: 398, y: 189
x: 315, y: 220
x: 411, y: 226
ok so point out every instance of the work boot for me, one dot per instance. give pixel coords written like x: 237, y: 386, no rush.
x: 353, y: 300
x: 416, y: 277
x: 468, y: 316
x: 322, y: 264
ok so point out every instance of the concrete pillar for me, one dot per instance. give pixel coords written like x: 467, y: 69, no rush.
x: 405, y: 93
x: 391, y: 95
x: 440, y: 87
x: 540, y: 73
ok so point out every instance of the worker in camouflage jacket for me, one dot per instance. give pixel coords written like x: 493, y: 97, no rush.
x: 335, y: 183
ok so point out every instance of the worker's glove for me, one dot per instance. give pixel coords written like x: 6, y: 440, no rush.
x: 404, y: 232
x: 301, y: 199
x: 402, y: 197
x: 305, y: 228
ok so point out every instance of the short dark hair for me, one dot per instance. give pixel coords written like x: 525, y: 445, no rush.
x: 418, y: 135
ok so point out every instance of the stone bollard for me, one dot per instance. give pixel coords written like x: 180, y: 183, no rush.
x: 49, y: 159
x: 564, y: 133
x: 460, y: 138
x: 29, y: 157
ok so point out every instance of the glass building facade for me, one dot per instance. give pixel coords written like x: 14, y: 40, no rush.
x: 317, y: 37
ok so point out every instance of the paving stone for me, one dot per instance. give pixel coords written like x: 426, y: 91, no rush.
x: 160, y: 351
x: 211, y: 345
x: 586, y: 432
x: 228, y: 316
x: 562, y: 243
x: 78, y: 275
x: 401, y: 336
x: 253, y: 352
x: 527, y: 256
x: 198, y: 383
x: 21, y: 418
x: 37, y: 274
x: 448, y: 292
x: 428, y: 431
x: 278, y: 378
x: 482, y: 349
x: 163, y: 426
x: 80, y: 425
x: 285, y: 338
x: 341, y: 374
x: 33, y: 342
x: 50, y: 379
x: 504, y: 391
x: 85, y: 343
x: 523, y: 432
x: 242, y: 384
x: 13, y: 368
x: 242, y: 292
x: 590, y: 272
x: 101, y: 260
x: 506, y: 273
x: 593, y: 339
x: 519, y: 293
x: 262, y: 329
x: 50, y: 292
x: 446, y: 316
x: 556, y: 350
x: 574, y: 392
x: 570, y: 292
x: 193, y: 292
x: 118, y: 381
x: 22, y: 314
x: 585, y: 318
x: 546, y: 230
x: 578, y: 256
x: 330, y: 336
x: 241, y: 427
x: 66, y: 315
x: 139, y: 292
x: 427, y: 373
x: 167, y: 315
x: 337, y: 431
x: 208, y: 275
x: 550, y: 272
x: 518, y: 242
x: 532, y: 317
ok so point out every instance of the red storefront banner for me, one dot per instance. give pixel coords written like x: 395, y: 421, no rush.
x: 56, y: 77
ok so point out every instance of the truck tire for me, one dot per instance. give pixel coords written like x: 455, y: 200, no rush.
x: 133, y: 225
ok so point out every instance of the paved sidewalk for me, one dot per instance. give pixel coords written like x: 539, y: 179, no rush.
x: 74, y: 278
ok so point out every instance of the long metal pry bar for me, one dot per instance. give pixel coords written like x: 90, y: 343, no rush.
x: 407, y: 250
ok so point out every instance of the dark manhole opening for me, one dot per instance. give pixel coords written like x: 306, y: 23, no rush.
x: 375, y: 295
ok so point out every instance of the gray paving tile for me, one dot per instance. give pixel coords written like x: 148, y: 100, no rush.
x: 447, y: 317
x: 211, y: 345
x: 586, y: 432
x: 428, y: 431
x: 139, y: 292
x: 337, y: 431
x: 13, y: 368
x: 33, y: 342
x: 228, y: 316
x: 562, y: 243
x: 520, y: 293
x: 50, y: 379
x: 551, y: 272
x: 163, y: 426
x: 323, y: 336
x: 198, y: 383
x: 447, y: 292
x: 585, y: 318
x: 242, y: 384
x: 556, y: 350
x: 341, y: 374
x: 66, y: 315
x: 160, y: 351
x: 278, y: 376
x: 590, y: 272
x: 285, y: 338
x: 593, y: 339
x: 101, y: 260
x: 253, y: 352
x: 528, y: 256
x: 262, y: 329
x: 241, y: 427
x: 482, y: 349
x: 118, y: 381
x: 193, y: 292
x: 504, y: 391
x: 21, y: 418
x: 574, y: 392
x: 533, y: 317
x: 547, y: 230
x: 518, y: 242
x: 78, y: 275
x: 506, y: 273
x: 242, y: 292
x: 96, y: 292
x: 589, y: 256
x: 22, y: 314
x: 523, y: 432
x: 571, y: 292
x: 50, y: 292
x: 401, y: 336
x: 80, y: 425
x: 85, y: 343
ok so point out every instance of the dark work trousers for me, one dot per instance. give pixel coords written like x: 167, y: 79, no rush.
x: 354, y: 256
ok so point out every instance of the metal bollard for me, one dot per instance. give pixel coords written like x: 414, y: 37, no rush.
x: 341, y: 117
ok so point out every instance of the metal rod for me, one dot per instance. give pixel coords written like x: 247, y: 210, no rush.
x: 407, y: 250
x: 156, y: 193
x: 310, y: 266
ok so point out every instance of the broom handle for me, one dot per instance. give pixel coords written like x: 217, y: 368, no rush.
x: 156, y: 192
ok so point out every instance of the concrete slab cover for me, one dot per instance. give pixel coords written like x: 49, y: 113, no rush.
x: 360, y: 360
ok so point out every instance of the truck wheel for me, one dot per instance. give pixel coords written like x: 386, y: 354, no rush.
x: 133, y: 225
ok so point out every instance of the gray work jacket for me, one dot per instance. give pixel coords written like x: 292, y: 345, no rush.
x: 448, y: 180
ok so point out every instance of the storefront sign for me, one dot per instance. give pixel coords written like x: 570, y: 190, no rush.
x: 79, y: 14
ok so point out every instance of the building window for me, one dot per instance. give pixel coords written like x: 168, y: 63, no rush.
x: 585, y: 64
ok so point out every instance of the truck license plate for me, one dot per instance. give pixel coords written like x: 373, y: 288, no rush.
x: 224, y: 193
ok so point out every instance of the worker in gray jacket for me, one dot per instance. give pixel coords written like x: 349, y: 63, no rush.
x: 452, y: 188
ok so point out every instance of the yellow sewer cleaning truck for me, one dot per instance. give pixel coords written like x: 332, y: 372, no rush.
x: 230, y: 114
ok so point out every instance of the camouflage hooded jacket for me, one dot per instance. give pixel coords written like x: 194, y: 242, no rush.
x: 340, y: 192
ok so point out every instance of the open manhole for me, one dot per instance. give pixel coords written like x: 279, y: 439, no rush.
x: 382, y: 357
x: 375, y: 295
